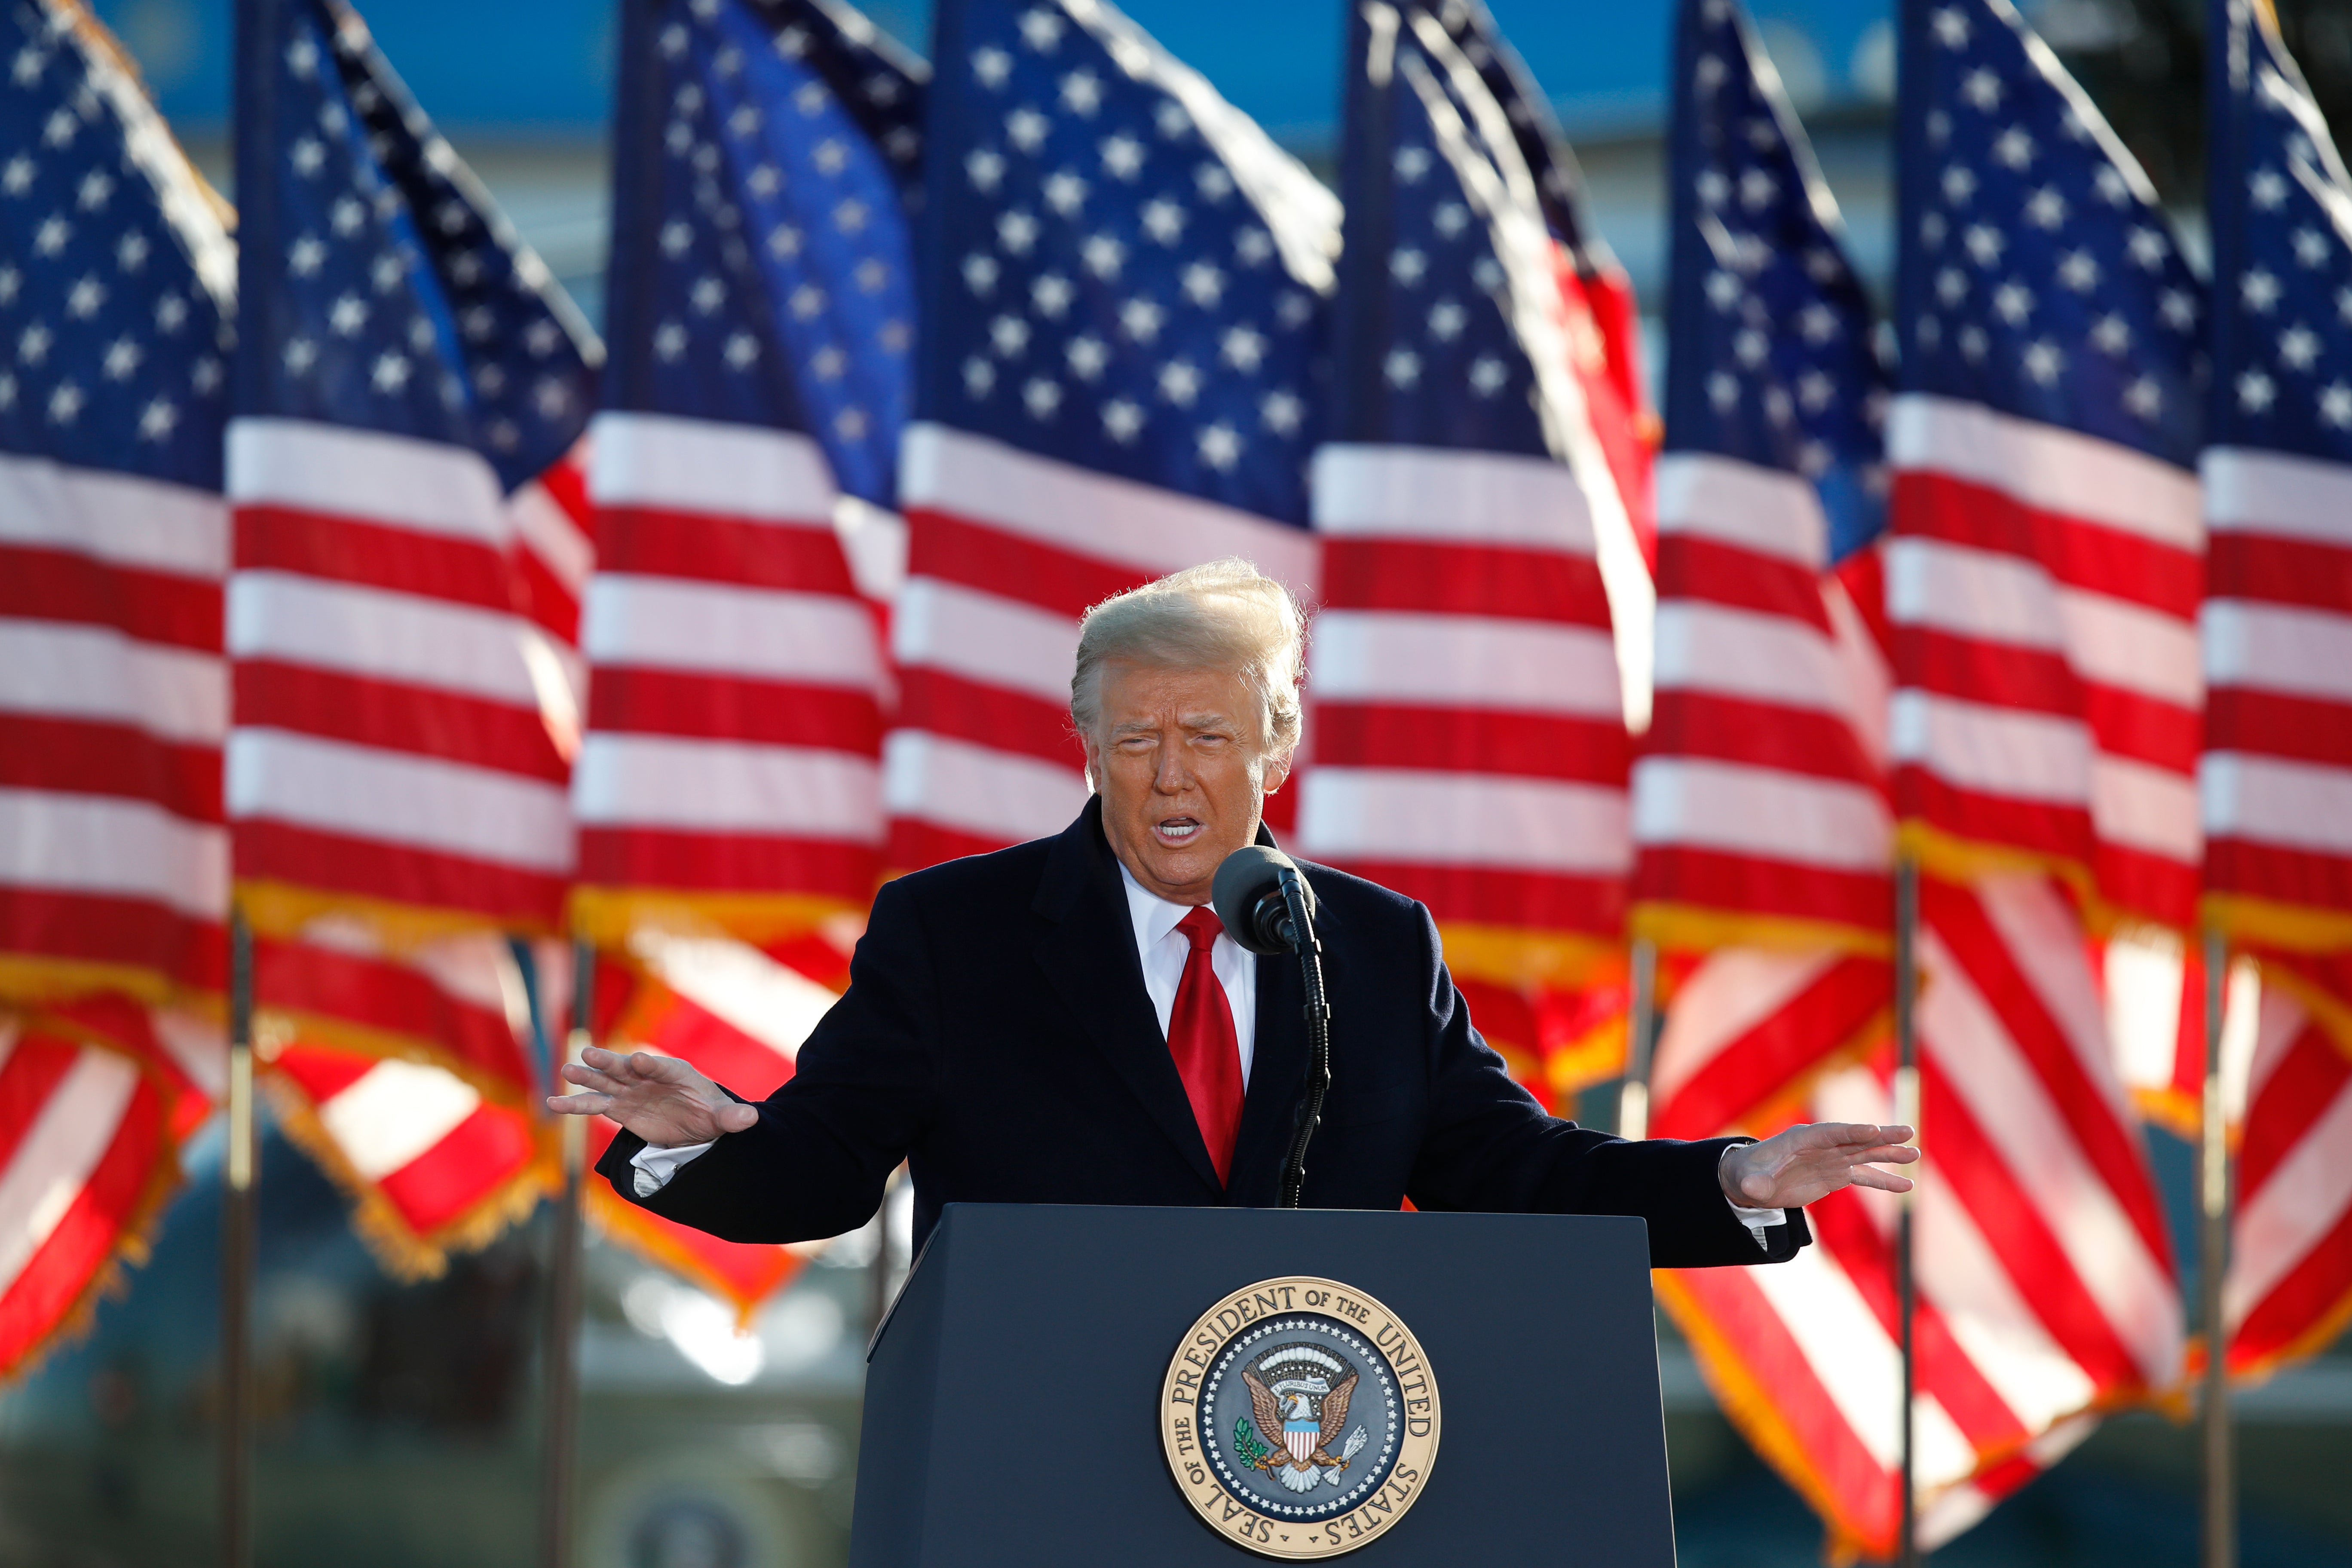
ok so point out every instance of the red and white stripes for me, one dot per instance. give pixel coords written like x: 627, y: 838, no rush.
x: 2043, y: 590
x: 2289, y: 1288
x: 1006, y: 550
x: 114, y: 855
x: 1759, y: 799
x: 730, y: 768
x: 2276, y: 781
x: 740, y: 1016
x: 429, y: 1163
x: 408, y: 1079
x: 554, y: 535
x: 85, y: 1158
x: 1469, y: 726
x: 1750, y: 1029
x: 2046, y: 1290
x: 390, y: 752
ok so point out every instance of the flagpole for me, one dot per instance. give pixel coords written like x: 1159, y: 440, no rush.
x: 1906, y: 1112
x: 1641, y: 1030
x: 2213, y: 1238
x: 237, y: 1236
x: 558, y: 1441
x: 254, y: 126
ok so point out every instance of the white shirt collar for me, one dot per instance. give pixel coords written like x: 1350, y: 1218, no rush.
x: 1152, y: 916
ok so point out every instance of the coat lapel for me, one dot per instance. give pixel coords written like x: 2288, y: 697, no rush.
x: 1088, y: 952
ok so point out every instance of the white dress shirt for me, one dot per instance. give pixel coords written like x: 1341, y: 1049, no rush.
x: 1164, y: 951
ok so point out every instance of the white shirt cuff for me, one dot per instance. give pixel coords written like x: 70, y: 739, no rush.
x: 655, y: 1167
x: 1758, y: 1221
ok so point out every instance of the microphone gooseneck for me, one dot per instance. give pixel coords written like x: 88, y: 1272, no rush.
x: 1267, y: 907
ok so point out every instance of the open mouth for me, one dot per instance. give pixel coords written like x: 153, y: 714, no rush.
x: 1178, y: 830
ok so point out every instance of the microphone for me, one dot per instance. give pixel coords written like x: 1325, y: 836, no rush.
x: 1253, y: 892
x: 1267, y: 907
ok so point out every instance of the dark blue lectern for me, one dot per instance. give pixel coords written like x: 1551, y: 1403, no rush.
x: 1018, y: 1397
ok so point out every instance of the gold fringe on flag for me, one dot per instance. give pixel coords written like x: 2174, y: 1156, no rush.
x: 403, y: 1252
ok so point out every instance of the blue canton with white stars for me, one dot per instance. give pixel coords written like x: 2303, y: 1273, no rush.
x: 1773, y: 359
x: 1098, y: 287
x: 396, y: 297
x: 2282, y: 209
x: 113, y: 343
x: 1559, y: 183
x: 2037, y: 275
x: 1426, y: 351
x: 782, y: 280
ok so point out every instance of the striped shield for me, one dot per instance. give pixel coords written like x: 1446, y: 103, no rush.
x: 1302, y: 1439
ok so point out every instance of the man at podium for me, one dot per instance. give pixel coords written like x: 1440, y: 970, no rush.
x: 1065, y: 1022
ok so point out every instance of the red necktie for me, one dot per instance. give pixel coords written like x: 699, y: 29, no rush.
x: 1201, y: 1037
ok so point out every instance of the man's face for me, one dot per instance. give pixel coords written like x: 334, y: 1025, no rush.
x: 1181, y: 761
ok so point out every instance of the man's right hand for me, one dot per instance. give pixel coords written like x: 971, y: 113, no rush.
x: 659, y: 1098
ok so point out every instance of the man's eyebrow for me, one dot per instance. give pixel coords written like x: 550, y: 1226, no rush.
x: 1210, y: 718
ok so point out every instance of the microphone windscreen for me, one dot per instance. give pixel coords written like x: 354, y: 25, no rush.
x: 1240, y: 885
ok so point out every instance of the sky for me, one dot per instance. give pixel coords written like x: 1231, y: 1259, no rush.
x: 543, y: 67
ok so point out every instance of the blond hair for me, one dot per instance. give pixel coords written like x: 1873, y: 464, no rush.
x: 1222, y: 615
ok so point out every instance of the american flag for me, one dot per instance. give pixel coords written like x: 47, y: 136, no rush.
x: 1759, y: 799
x: 1123, y: 282
x: 2276, y: 781
x: 408, y: 1082
x: 2277, y: 773
x: 739, y: 1014
x: 2288, y: 1291
x: 763, y: 312
x: 404, y: 696
x: 1470, y: 714
x: 116, y: 286
x: 2042, y: 580
x: 407, y: 364
x: 744, y: 480
x: 116, y: 293
x: 2045, y: 1284
x: 1603, y: 319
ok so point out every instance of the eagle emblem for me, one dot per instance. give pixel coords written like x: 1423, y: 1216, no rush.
x: 1300, y: 1412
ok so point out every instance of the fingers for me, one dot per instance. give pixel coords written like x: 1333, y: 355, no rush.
x: 588, y: 1076
x: 644, y: 1065
x: 579, y: 1104
x: 1858, y: 1134
x: 1884, y: 1181
x: 736, y: 1117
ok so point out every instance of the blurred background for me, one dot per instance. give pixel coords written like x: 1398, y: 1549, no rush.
x: 398, y: 1423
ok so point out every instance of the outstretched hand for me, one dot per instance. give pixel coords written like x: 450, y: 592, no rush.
x: 659, y: 1098
x: 1804, y: 1164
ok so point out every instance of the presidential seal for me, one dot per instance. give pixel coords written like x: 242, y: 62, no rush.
x: 1299, y: 1418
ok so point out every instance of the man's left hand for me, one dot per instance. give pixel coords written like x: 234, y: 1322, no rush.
x: 1804, y: 1164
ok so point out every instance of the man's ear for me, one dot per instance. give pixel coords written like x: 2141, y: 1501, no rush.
x: 1277, y: 772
